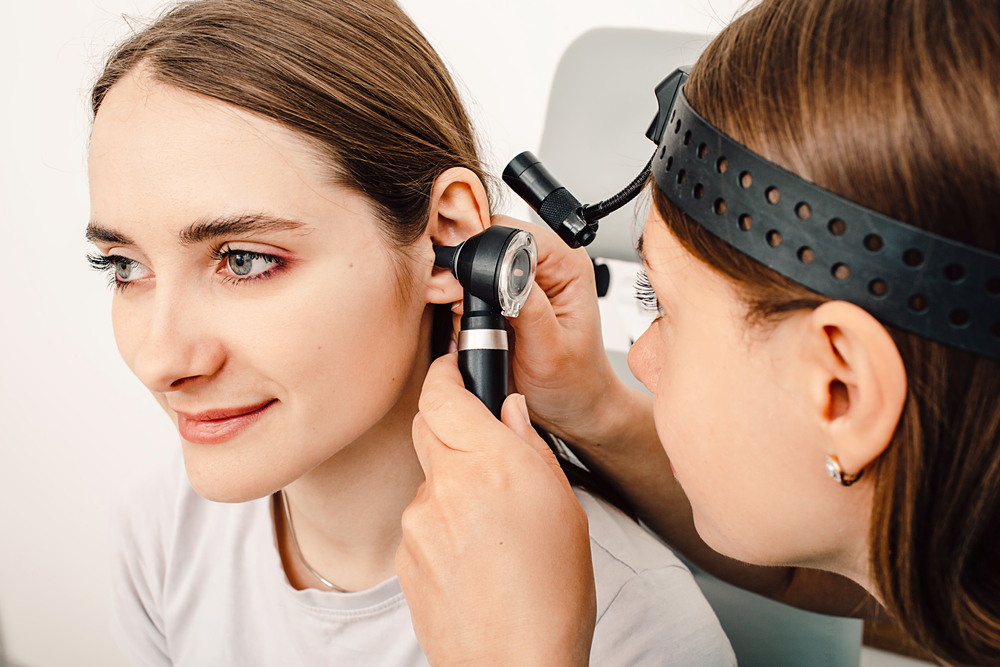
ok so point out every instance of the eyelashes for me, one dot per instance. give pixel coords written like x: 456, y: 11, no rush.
x: 113, y: 266
x: 646, y: 295
x: 247, y: 265
x: 236, y: 266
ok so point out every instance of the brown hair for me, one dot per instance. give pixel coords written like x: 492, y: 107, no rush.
x: 354, y: 76
x: 894, y: 104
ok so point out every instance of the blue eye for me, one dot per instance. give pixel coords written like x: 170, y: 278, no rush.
x: 240, y: 263
x: 243, y: 265
x: 646, y: 295
x: 123, y: 268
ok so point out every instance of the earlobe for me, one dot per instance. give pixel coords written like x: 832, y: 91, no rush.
x: 459, y: 209
x: 859, y: 383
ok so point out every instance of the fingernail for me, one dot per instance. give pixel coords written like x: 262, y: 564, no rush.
x: 521, y: 403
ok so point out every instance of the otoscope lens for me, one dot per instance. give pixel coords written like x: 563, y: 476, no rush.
x: 520, y: 272
x: 517, y: 273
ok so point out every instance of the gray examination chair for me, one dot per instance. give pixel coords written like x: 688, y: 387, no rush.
x: 600, y: 106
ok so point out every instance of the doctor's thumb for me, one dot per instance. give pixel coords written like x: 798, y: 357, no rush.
x: 514, y: 415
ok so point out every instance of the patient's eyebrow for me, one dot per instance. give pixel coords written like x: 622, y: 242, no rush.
x: 638, y: 248
x: 241, y: 225
x: 97, y: 233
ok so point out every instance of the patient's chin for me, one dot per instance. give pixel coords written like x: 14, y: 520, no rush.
x: 231, y: 478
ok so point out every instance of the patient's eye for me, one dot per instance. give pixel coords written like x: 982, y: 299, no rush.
x: 123, y: 268
x: 241, y: 265
x: 248, y: 263
x: 122, y: 271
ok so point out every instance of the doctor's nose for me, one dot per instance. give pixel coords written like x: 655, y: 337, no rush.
x: 644, y: 360
x: 172, y: 344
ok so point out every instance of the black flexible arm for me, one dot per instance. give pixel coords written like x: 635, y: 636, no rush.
x: 576, y: 224
x: 594, y: 212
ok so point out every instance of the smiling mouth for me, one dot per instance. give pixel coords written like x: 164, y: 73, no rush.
x: 214, y: 426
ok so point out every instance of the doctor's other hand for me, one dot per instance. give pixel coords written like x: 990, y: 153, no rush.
x: 558, y: 360
x: 495, y: 558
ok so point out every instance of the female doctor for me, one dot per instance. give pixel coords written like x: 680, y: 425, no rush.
x: 855, y: 463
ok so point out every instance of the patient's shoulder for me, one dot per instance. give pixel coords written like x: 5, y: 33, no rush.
x: 650, y: 611
x: 622, y: 539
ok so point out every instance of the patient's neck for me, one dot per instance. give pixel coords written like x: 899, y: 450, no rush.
x: 347, y: 511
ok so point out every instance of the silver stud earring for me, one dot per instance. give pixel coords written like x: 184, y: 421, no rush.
x: 834, y: 470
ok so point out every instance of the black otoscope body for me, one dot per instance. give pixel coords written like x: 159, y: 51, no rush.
x: 496, y: 269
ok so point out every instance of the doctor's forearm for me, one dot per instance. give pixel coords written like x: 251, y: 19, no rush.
x: 637, y: 466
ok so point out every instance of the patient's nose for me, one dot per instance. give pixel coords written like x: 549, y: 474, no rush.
x: 173, y: 342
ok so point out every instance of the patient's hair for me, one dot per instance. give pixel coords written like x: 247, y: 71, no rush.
x: 354, y: 76
x: 357, y: 78
x: 894, y: 104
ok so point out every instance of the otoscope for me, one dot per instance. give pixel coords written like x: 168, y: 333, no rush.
x: 496, y: 269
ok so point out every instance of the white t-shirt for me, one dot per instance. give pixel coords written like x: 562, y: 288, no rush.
x: 199, y: 583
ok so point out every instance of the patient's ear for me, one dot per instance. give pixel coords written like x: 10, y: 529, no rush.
x: 459, y: 209
x: 857, y: 382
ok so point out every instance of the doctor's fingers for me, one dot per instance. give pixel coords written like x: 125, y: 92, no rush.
x: 558, y: 264
x: 501, y: 462
x: 453, y: 414
x: 514, y: 415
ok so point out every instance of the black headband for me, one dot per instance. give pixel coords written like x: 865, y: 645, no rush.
x: 923, y: 283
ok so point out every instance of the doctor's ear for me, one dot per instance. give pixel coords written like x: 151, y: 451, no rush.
x: 858, y: 383
x: 459, y: 209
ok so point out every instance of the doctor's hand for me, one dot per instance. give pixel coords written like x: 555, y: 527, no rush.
x: 495, y: 558
x: 559, y: 362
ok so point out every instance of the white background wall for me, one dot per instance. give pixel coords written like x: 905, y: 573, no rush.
x: 73, y: 420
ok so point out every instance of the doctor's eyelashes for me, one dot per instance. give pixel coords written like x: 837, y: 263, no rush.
x: 646, y: 295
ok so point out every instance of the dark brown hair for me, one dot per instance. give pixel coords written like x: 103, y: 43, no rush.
x: 894, y: 104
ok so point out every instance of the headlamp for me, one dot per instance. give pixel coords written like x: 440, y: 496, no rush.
x: 923, y: 283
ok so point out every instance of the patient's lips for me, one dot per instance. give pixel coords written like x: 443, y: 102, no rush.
x: 213, y: 426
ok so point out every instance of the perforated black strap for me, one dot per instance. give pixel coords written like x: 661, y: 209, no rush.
x: 920, y: 282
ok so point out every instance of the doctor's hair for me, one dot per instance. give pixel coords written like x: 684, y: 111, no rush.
x: 894, y: 104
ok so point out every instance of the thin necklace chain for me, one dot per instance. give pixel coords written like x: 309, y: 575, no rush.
x: 295, y: 541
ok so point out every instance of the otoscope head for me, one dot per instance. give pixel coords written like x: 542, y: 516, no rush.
x: 560, y: 210
x: 496, y: 266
